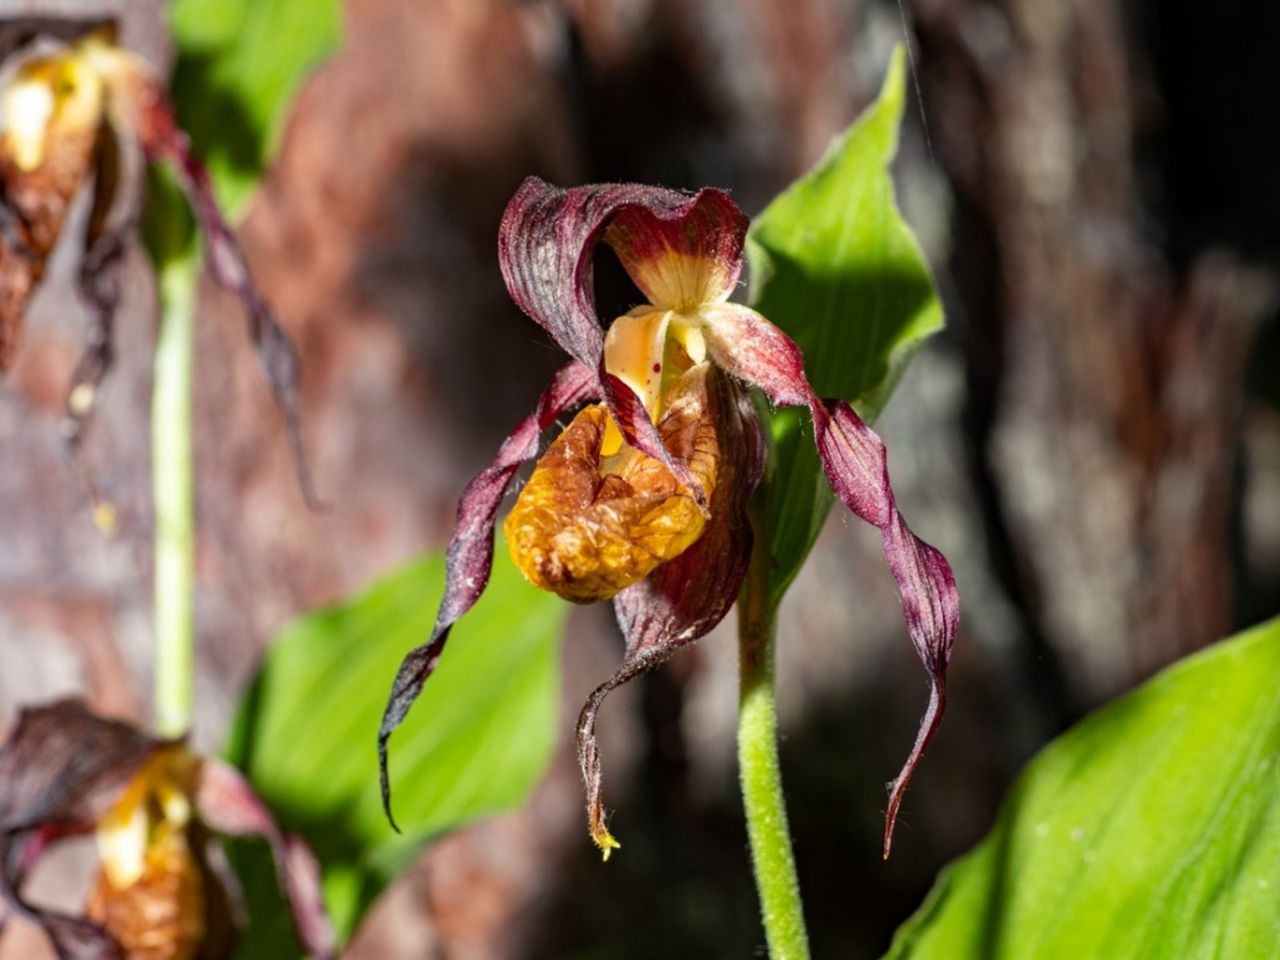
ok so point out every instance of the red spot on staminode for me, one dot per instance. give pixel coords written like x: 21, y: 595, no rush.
x: 657, y: 368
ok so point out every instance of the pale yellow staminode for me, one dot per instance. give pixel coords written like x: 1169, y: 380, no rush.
x: 154, y: 806
x: 46, y: 97
x: 27, y: 108
x: 635, y: 351
x: 66, y: 92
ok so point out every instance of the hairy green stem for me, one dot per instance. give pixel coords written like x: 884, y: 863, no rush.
x: 171, y: 481
x: 762, y: 797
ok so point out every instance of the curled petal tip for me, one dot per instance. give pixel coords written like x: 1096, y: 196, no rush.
x: 384, y: 780
x: 603, y: 839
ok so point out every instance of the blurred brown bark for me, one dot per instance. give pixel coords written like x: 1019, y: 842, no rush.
x: 1106, y: 382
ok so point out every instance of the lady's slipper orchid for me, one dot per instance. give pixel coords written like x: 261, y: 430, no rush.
x: 643, y: 497
x: 151, y: 805
x: 88, y: 113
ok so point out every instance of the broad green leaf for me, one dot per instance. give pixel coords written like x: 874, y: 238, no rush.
x: 475, y: 743
x: 1149, y: 832
x: 240, y: 62
x: 834, y: 265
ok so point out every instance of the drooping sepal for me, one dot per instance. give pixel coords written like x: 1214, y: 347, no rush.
x: 228, y: 804
x: 469, y: 558
x: 684, y: 599
x: 147, y: 110
x: 856, y: 465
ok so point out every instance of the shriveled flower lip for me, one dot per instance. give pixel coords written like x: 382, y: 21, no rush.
x: 585, y: 531
x: 91, y: 112
x: 65, y: 771
x: 685, y: 254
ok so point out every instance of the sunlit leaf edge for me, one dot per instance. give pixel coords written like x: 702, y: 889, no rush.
x: 351, y: 884
x: 957, y: 912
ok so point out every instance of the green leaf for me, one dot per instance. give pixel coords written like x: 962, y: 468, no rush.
x: 834, y: 265
x: 1150, y: 831
x: 475, y: 743
x: 239, y: 64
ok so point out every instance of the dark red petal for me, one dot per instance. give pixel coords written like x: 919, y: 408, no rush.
x: 162, y: 140
x: 545, y: 246
x: 748, y: 346
x: 228, y: 804
x: 685, y: 261
x: 60, y: 769
x: 684, y: 599
x: 62, y: 765
x: 854, y: 460
x: 548, y: 235
x: 470, y: 555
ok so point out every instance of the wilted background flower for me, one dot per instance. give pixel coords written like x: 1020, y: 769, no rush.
x: 161, y: 890
x: 86, y: 116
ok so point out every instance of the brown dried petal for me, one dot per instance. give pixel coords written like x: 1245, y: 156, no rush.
x: 586, y: 536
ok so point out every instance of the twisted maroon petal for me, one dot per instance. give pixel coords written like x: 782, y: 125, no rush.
x: 854, y: 460
x: 545, y: 246
x: 470, y: 556
x: 228, y: 804
x: 683, y: 599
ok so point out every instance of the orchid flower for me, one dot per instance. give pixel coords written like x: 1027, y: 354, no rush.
x: 642, y: 499
x: 87, y: 113
x: 158, y: 893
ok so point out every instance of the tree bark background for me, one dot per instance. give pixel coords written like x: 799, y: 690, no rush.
x: 1095, y: 441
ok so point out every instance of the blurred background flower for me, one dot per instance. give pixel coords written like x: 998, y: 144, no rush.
x: 1094, y: 443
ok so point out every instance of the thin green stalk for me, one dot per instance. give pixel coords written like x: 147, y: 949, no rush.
x: 171, y: 482
x: 762, y: 797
